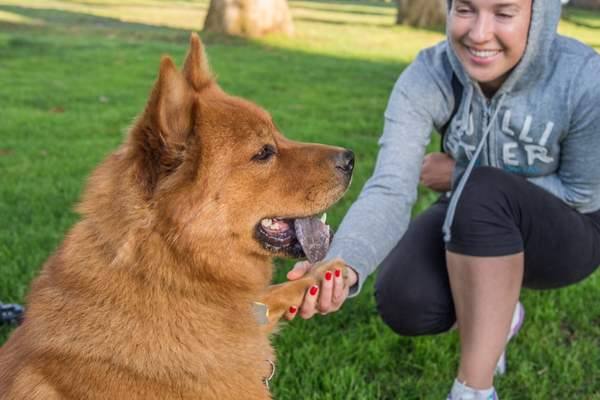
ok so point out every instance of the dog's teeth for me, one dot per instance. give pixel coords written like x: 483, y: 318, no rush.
x: 267, y: 223
x: 323, y: 218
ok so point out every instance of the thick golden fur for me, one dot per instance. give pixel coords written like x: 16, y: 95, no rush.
x: 150, y: 295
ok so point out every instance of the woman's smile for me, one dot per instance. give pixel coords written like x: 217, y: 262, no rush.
x: 482, y: 56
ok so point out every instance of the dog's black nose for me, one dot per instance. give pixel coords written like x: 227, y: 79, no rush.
x: 345, y: 162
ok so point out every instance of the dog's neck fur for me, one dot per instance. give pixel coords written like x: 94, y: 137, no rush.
x: 201, y: 263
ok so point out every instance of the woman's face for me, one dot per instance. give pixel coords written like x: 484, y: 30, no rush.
x: 489, y: 37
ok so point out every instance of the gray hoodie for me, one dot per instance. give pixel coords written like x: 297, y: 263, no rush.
x: 543, y: 123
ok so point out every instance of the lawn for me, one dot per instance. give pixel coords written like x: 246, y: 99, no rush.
x: 74, y: 74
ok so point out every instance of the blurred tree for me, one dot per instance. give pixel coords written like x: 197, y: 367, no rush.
x: 421, y: 13
x: 249, y: 17
x: 589, y: 4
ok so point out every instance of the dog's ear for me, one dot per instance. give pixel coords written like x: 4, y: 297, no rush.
x: 161, y: 135
x: 170, y: 106
x: 196, y: 69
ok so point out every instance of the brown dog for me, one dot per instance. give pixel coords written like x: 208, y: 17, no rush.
x: 153, y: 294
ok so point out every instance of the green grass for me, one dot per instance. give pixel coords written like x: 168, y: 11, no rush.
x: 73, y: 75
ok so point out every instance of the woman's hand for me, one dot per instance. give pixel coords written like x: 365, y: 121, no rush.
x: 436, y: 172
x: 325, y: 299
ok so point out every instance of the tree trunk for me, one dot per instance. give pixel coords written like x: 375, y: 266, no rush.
x: 421, y: 13
x: 249, y: 17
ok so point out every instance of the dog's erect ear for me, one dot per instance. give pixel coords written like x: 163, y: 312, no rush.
x: 166, y: 125
x: 196, y: 69
x: 170, y: 106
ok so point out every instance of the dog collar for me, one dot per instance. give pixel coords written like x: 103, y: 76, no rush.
x: 261, y: 312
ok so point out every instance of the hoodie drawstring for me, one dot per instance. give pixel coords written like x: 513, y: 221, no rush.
x: 463, y: 180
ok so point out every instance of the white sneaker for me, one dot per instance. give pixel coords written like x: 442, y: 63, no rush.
x: 460, y: 391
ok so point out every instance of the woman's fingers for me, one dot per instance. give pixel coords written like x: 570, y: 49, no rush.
x: 291, y: 313
x: 309, y: 306
x: 326, y: 293
x: 300, y: 269
x: 339, y: 294
x: 327, y: 297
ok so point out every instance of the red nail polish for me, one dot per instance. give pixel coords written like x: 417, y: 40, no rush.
x: 338, y: 273
x: 313, y: 290
x: 327, y: 276
x: 293, y: 310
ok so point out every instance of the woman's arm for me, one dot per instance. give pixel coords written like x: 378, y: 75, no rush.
x: 379, y: 217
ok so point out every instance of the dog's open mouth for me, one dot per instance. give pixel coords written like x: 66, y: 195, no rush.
x: 297, y: 237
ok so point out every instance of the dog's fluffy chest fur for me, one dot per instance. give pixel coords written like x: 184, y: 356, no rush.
x: 158, y: 334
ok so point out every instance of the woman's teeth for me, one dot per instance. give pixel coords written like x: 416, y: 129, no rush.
x: 483, y: 53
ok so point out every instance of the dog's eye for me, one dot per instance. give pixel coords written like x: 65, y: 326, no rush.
x: 264, y: 154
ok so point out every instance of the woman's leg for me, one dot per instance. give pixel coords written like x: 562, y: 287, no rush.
x: 506, y: 232
x: 485, y: 292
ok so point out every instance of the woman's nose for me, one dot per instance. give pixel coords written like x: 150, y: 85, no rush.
x: 482, y: 29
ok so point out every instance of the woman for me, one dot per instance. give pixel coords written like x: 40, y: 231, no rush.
x: 523, y: 166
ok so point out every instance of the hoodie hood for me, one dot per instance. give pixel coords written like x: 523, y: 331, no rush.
x: 545, y: 16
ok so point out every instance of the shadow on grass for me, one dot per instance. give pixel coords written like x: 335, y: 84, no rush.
x: 379, y: 9
x: 69, y: 22
x: 370, y: 3
x: 349, y: 23
x: 257, y: 60
x: 342, y: 11
x: 166, y: 5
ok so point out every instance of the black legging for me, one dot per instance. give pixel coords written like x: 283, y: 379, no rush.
x: 498, y: 214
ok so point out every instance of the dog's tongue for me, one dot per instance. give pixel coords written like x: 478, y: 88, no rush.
x: 314, y: 237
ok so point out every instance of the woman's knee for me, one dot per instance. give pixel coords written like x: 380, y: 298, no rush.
x: 411, y: 289
x: 411, y: 310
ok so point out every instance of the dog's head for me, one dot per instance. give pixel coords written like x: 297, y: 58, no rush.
x: 216, y: 172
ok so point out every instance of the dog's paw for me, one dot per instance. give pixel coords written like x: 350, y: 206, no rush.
x: 322, y: 268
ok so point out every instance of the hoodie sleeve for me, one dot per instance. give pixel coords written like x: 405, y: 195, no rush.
x: 379, y: 217
x: 577, y: 181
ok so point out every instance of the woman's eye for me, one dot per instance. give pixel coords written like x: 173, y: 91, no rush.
x: 463, y: 10
x: 505, y: 16
x: 264, y: 154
